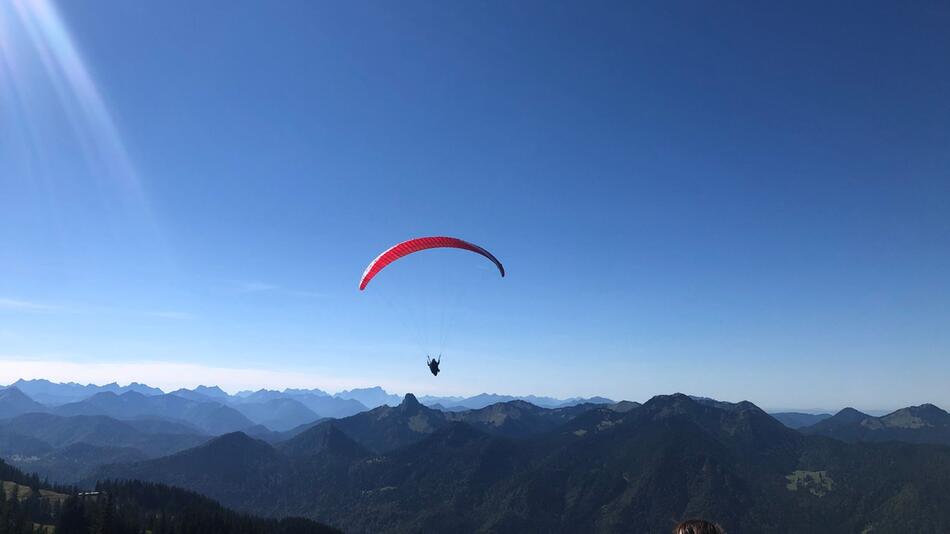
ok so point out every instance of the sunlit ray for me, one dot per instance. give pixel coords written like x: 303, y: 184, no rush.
x: 33, y: 33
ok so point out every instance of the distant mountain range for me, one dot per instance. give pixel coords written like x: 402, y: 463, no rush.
x: 15, y: 402
x: 386, y: 428
x: 76, y: 428
x: 506, y: 465
x: 321, y: 404
x: 516, y: 467
x: 372, y: 397
x: 342, y: 404
x: 487, y: 399
x: 52, y: 393
x: 67, y: 448
x: 209, y: 417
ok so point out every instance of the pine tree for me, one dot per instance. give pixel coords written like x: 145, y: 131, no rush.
x: 72, y: 519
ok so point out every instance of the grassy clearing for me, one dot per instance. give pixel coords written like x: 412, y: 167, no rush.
x: 818, y: 483
x: 24, y: 492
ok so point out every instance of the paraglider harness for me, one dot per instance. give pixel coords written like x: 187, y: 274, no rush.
x: 434, y: 364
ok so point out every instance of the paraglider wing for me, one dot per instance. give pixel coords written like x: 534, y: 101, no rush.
x: 422, y: 243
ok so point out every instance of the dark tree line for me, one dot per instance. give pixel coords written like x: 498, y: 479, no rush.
x: 128, y: 507
x: 21, y: 516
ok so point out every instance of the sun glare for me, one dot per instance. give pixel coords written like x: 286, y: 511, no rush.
x: 38, y: 56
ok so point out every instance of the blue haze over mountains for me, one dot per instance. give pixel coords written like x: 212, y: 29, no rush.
x: 137, y: 410
x: 507, y: 467
x: 335, y: 405
x: 400, y: 451
x: 63, y: 430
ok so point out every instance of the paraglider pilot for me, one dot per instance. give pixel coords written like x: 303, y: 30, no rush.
x: 434, y: 364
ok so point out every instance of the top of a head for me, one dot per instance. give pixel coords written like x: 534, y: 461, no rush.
x: 698, y: 526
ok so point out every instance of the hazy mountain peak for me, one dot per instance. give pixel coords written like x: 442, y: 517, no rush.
x: 848, y: 414
x: 677, y: 404
x: 371, y: 397
x: 38, y: 381
x: 189, y: 394
x: 519, y: 403
x: 925, y: 423
x: 928, y: 409
x: 235, y: 445
x: 210, y: 391
x: 675, y: 399
x: 374, y: 389
x: 742, y: 416
x: 144, y: 388
x: 624, y: 406
x: 280, y: 413
x: 924, y: 415
x: 410, y: 403
x: 229, y: 439
x: 55, y: 394
x: 573, y: 401
x: 324, y: 437
x: 15, y: 402
x: 386, y: 428
x: 297, y: 391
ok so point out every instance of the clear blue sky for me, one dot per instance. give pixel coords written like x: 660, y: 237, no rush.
x: 738, y: 200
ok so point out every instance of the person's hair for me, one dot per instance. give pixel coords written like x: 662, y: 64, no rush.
x: 698, y: 526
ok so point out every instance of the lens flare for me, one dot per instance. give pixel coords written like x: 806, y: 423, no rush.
x: 38, y: 57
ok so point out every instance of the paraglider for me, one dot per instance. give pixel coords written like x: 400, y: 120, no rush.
x: 422, y: 243
x: 415, y: 245
x: 433, y: 364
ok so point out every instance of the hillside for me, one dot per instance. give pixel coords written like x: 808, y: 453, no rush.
x: 601, y: 471
x: 316, y: 401
x: 278, y: 414
x: 210, y: 417
x: 518, y: 418
x: 483, y: 400
x: 14, y: 402
x: 126, y: 507
x: 915, y: 424
x: 66, y: 449
x: 799, y: 420
x: 386, y: 428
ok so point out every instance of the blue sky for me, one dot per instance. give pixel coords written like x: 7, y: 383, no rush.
x: 736, y: 200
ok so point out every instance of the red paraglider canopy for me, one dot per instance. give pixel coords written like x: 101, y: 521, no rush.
x: 422, y: 243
